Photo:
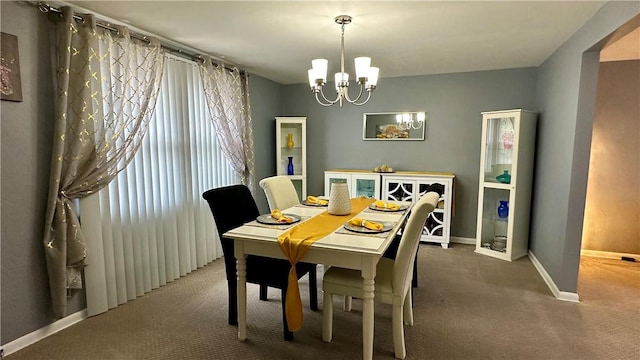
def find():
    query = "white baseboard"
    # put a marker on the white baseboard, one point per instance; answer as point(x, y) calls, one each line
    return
point(608, 254)
point(462, 240)
point(560, 295)
point(43, 332)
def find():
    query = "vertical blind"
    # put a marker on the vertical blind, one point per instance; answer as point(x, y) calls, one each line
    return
point(150, 225)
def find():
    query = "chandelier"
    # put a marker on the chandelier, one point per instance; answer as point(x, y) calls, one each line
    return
point(366, 75)
point(407, 121)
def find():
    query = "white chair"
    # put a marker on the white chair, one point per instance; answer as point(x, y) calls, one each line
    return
point(280, 192)
point(392, 282)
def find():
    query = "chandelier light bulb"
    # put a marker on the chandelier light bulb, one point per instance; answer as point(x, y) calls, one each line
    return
point(342, 80)
point(372, 81)
point(362, 67)
point(320, 67)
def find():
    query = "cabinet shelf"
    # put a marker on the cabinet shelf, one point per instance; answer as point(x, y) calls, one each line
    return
point(497, 185)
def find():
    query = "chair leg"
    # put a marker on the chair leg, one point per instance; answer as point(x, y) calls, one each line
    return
point(232, 286)
point(408, 308)
point(347, 303)
point(327, 317)
point(288, 335)
point(414, 279)
point(263, 292)
point(398, 332)
point(313, 289)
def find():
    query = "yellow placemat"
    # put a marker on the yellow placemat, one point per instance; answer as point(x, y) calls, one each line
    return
point(295, 242)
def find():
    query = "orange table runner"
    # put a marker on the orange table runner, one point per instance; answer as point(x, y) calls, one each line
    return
point(295, 242)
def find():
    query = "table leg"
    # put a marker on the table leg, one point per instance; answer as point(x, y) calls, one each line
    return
point(368, 286)
point(242, 291)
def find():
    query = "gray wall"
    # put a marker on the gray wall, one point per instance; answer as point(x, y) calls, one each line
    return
point(567, 83)
point(265, 97)
point(452, 137)
point(26, 140)
point(612, 211)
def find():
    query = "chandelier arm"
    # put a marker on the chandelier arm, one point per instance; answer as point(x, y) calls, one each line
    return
point(346, 95)
point(328, 102)
point(363, 102)
point(402, 126)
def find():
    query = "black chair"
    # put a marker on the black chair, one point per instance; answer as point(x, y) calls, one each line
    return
point(392, 250)
point(233, 206)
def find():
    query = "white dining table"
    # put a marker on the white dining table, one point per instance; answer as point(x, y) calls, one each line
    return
point(339, 248)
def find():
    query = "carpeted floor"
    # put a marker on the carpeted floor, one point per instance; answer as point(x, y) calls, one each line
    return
point(467, 306)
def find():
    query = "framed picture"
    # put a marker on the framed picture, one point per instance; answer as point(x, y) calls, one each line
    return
point(10, 85)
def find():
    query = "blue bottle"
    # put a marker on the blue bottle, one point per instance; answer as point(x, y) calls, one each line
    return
point(290, 166)
point(503, 209)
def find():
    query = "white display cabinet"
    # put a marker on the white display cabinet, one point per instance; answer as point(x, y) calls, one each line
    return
point(402, 186)
point(291, 145)
point(506, 175)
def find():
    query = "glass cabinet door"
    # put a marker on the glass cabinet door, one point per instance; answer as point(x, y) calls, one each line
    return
point(400, 190)
point(493, 233)
point(291, 147)
point(499, 145)
point(364, 187)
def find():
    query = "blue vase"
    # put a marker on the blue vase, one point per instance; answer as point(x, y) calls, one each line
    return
point(290, 166)
point(505, 178)
point(503, 209)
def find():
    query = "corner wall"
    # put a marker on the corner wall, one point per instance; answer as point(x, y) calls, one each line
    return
point(565, 96)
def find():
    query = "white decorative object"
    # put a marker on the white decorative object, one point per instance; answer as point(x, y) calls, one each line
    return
point(339, 201)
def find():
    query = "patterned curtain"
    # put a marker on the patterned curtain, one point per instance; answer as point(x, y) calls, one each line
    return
point(227, 94)
point(107, 88)
point(150, 226)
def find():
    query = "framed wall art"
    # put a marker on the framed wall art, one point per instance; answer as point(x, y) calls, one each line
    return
point(10, 84)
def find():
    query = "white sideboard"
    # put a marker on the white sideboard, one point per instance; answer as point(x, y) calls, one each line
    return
point(404, 186)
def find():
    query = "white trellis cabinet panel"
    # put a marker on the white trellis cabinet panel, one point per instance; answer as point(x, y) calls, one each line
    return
point(411, 186)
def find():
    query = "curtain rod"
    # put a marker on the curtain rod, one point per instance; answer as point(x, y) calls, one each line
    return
point(191, 55)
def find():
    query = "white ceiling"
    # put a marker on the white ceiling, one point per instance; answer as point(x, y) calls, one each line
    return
point(278, 39)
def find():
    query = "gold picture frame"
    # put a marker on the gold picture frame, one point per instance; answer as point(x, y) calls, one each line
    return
point(10, 83)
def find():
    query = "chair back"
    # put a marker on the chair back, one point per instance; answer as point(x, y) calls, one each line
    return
point(231, 206)
point(409, 242)
point(280, 192)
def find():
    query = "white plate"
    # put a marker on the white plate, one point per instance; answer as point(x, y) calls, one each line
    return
point(374, 207)
point(268, 219)
point(364, 230)
point(305, 202)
